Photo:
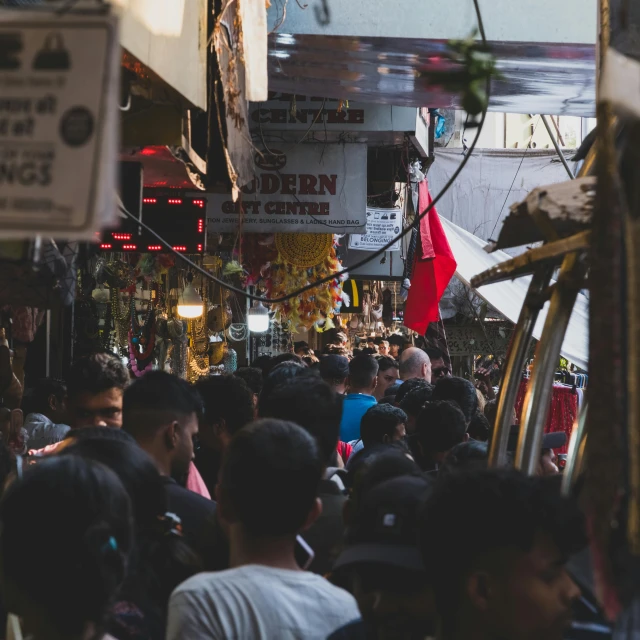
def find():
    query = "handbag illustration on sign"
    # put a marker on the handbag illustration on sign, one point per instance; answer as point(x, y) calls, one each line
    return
point(53, 56)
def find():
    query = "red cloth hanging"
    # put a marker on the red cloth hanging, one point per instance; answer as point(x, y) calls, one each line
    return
point(433, 269)
point(562, 412)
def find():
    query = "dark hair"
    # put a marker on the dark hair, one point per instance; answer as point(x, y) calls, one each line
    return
point(154, 400)
point(395, 454)
point(434, 353)
point(311, 403)
point(43, 390)
point(440, 426)
point(252, 377)
point(68, 521)
point(96, 373)
point(503, 510)
point(409, 385)
point(379, 421)
point(226, 398)
point(99, 433)
point(310, 361)
point(362, 371)
point(270, 477)
point(279, 375)
point(466, 456)
point(460, 391)
point(413, 402)
point(479, 428)
point(263, 363)
point(335, 350)
point(283, 357)
point(161, 560)
point(368, 351)
point(387, 362)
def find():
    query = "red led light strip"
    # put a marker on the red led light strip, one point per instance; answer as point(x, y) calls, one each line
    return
point(121, 236)
point(149, 200)
point(154, 247)
point(129, 247)
point(201, 226)
point(199, 247)
point(180, 248)
point(106, 246)
point(174, 201)
point(198, 203)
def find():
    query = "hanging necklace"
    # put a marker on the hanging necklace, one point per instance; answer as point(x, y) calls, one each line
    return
point(141, 340)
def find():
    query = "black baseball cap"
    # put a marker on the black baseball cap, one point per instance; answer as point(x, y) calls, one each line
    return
point(554, 440)
point(386, 525)
point(334, 367)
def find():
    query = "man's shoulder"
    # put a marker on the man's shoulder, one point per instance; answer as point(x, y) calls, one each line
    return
point(188, 498)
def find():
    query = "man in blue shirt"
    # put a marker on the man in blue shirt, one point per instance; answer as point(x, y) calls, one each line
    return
point(363, 372)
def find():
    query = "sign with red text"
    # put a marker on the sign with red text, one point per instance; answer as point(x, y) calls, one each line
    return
point(304, 188)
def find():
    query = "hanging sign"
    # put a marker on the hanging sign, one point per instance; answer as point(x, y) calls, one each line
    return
point(383, 225)
point(59, 87)
point(305, 188)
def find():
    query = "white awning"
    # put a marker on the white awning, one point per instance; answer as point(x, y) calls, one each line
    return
point(508, 297)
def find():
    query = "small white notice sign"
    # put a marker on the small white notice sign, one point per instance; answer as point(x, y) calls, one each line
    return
point(383, 225)
point(58, 140)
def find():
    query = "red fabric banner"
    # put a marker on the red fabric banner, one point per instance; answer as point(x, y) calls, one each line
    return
point(433, 268)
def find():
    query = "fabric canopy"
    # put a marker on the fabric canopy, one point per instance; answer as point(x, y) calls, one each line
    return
point(508, 297)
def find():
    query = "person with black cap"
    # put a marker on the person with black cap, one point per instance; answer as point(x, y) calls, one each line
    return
point(382, 566)
point(334, 370)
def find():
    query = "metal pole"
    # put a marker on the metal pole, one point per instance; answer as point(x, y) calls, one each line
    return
point(575, 455)
point(513, 366)
point(557, 147)
point(536, 402)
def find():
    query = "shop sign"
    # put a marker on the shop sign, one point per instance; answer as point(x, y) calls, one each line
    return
point(304, 188)
point(284, 111)
point(383, 225)
point(58, 137)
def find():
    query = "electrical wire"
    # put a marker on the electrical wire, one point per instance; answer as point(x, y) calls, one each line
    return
point(515, 177)
point(357, 265)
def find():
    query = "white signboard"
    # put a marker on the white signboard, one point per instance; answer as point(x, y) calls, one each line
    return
point(383, 225)
point(304, 188)
point(58, 139)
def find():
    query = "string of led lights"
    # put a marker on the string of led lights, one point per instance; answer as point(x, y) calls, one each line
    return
point(197, 268)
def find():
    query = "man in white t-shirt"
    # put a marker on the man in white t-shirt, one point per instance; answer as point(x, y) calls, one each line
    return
point(267, 495)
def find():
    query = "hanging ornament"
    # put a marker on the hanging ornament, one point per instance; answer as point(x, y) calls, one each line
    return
point(230, 360)
point(237, 332)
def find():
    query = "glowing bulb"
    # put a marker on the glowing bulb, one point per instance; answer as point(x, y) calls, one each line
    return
point(190, 302)
point(258, 318)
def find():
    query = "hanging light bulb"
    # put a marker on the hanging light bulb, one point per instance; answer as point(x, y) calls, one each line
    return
point(189, 301)
point(258, 318)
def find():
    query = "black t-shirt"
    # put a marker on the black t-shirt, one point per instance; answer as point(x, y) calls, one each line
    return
point(196, 513)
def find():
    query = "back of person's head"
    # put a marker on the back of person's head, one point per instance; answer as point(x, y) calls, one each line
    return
point(252, 377)
point(504, 511)
point(434, 353)
point(162, 559)
point(479, 428)
point(387, 362)
point(460, 391)
point(359, 461)
point(410, 385)
point(155, 400)
point(413, 362)
point(281, 374)
point(96, 373)
point(382, 424)
point(67, 531)
point(284, 357)
point(336, 350)
point(413, 401)
point(362, 372)
point(310, 403)
point(226, 399)
point(270, 478)
point(98, 433)
point(385, 463)
point(440, 426)
point(263, 363)
point(44, 390)
point(466, 456)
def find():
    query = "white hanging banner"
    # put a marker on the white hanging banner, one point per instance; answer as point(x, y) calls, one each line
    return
point(59, 92)
point(383, 225)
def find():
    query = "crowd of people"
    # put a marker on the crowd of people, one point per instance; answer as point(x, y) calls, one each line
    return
point(334, 497)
